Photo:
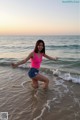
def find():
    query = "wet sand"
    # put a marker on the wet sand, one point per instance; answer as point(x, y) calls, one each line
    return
point(17, 97)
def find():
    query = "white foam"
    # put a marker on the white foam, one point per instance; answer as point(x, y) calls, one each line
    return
point(56, 72)
point(46, 106)
point(60, 83)
point(66, 76)
point(22, 84)
point(76, 80)
point(77, 101)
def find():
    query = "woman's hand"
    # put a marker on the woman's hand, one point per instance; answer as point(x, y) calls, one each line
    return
point(14, 65)
point(56, 58)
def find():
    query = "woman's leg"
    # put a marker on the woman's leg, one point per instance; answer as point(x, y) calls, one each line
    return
point(43, 79)
point(35, 83)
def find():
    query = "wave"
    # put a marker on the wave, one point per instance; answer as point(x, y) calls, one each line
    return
point(65, 68)
point(62, 62)
point(62, 74)
point(75, 46)
point(16, 47)
point(67, 76)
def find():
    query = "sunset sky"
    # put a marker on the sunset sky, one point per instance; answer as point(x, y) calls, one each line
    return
point(39, 17)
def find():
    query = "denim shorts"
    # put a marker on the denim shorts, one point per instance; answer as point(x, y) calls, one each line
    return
point(33, 72)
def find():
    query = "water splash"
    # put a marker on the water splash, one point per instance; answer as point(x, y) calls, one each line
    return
point(66, 76)
point(56, 72)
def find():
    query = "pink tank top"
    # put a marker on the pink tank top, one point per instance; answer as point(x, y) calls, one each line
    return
point(36, 60)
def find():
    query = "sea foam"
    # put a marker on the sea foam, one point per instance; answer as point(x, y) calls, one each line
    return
point(66, 76)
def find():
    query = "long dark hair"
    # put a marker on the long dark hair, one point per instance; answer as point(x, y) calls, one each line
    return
point(36, 46)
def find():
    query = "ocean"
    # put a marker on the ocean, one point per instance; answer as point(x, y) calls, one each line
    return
point(61, 101)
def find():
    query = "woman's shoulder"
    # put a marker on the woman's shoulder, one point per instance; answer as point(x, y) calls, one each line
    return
point(32, 54)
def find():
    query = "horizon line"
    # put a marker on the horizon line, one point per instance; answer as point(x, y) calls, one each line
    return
point(39, 34)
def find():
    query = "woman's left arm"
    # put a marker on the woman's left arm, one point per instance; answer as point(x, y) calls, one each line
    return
point(49, 57)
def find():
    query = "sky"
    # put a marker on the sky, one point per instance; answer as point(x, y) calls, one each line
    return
point(39, 17)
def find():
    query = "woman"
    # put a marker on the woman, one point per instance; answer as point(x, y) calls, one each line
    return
point(36, 58)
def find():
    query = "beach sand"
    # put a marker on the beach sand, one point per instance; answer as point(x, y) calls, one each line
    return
point(61, 101)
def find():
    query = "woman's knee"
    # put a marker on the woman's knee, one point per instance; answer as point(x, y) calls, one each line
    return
point(42, 78)
point(35, 83)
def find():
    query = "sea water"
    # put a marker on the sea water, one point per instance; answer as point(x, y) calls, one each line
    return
point(16, 95)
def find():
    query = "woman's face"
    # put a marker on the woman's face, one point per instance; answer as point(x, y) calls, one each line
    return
point(40, 46)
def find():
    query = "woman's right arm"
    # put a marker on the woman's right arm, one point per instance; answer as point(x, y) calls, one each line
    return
point(14, 65)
